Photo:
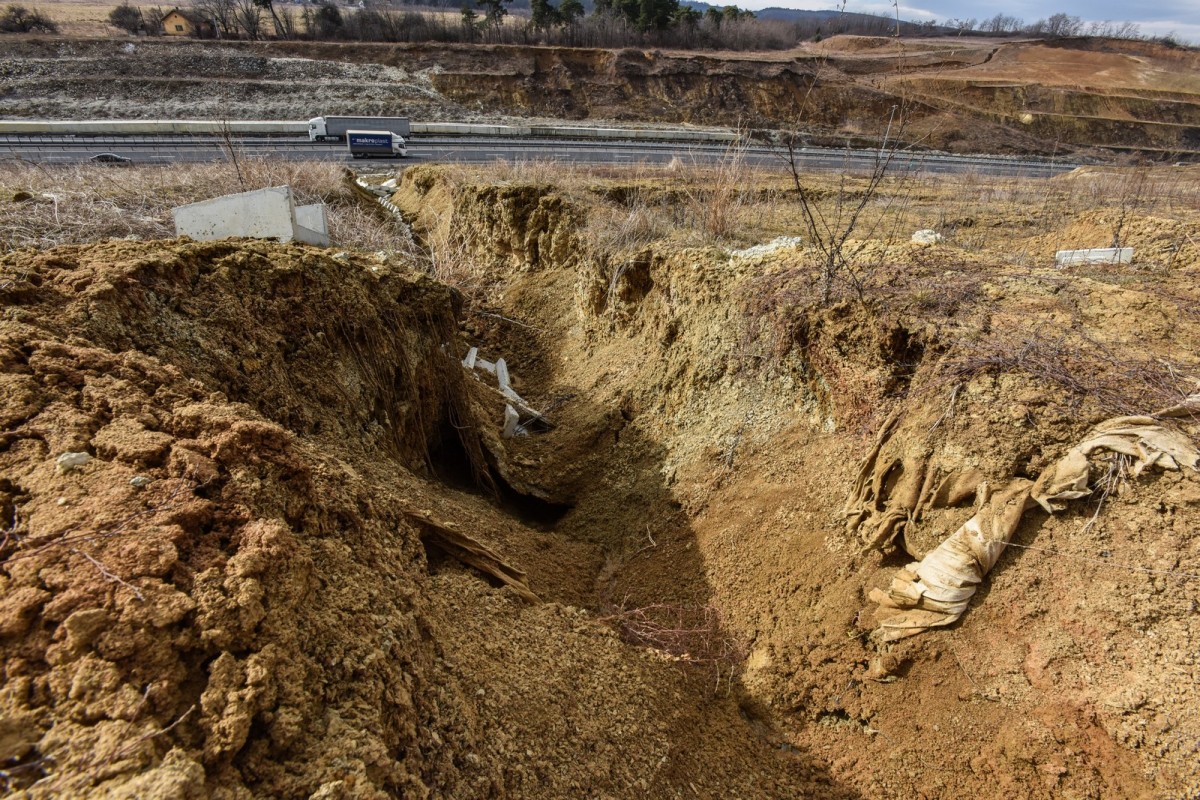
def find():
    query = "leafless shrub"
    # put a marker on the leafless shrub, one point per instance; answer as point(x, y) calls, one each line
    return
point(694, 635)
point(1087, 370)
point(840, 230)
point(19, 19)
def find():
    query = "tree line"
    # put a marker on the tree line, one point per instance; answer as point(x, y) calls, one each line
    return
point(1055, 25)
point(19, 19)
point(611, 23)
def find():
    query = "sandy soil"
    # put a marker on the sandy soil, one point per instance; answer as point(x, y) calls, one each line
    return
point(333, 578)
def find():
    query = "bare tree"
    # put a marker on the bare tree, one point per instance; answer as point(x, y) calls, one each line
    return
point(289, 22)
point(1002, 23)
point(830, 231)
point(269, 6)
point(962, 25)
point(222, 13)
point(1128, 30)
point(19, 19)
point(1063, 25)
point(249, 18)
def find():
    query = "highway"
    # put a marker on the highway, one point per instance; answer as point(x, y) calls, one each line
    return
point(165, 149)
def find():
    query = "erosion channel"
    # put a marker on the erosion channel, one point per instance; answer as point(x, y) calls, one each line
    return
point(300, 559)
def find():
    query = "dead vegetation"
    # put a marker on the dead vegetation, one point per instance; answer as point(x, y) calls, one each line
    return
point(1111, 380)
point(47, 206)
point(694, 635)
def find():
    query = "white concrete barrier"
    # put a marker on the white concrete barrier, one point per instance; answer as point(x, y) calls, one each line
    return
point(120, 127)
point(1096, 255)
point(262, 214)
point(314, 217)
point(157, 127)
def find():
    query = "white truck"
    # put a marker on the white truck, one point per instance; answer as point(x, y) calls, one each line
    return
point(364, 144)
point(322, 128)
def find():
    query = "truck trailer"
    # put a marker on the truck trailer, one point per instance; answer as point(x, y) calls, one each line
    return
point(322, 128)
point(363, 144)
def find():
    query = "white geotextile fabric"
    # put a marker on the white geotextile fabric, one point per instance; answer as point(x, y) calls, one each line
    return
point(936, 590)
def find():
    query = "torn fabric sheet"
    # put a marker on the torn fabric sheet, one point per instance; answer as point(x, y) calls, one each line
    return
point(935, 591)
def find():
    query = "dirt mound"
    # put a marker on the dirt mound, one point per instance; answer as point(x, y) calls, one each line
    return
point(247, 589)
point(295, 557)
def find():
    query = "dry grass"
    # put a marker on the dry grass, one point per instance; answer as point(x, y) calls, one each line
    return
point(86, 203)
point(688, 202)
point(87, 19)
point(685, 204)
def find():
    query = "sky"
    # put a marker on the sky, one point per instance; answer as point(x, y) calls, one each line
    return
point(1178, 17)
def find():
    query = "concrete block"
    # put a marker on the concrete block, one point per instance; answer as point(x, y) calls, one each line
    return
point(261, 214)
point(926, 237)
point(303, 234)
point(1096, 255)
point(511, 420)
point(502, 374)
point(314, 217)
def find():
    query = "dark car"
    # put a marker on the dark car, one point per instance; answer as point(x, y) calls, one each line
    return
point(110, 158)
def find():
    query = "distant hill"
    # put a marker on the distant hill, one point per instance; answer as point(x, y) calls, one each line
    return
point(797, 15)
point(832, 21)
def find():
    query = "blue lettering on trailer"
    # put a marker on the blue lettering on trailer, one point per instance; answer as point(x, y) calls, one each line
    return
point(377, 141)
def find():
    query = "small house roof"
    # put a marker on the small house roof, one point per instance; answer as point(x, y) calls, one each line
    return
point(189, 15)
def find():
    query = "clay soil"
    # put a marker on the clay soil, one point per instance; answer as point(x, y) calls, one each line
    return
point(301, 561)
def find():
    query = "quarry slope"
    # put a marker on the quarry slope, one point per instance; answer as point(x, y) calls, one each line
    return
point(966, 95)
point(332, 577)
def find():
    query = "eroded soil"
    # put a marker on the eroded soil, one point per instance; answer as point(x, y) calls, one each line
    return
point(277, 610)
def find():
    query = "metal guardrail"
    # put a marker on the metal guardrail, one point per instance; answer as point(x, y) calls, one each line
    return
point(291, 127)
point(447, 140)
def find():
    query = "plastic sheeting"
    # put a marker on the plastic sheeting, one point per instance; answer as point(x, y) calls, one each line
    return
point(935, 591)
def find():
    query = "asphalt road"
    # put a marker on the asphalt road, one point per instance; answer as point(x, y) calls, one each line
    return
point(173, 149)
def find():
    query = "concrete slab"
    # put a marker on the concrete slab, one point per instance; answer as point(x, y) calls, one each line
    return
point(315, 217)
point(303, 234)
point(261, 214)
point(1096, 255)
point(511, 420)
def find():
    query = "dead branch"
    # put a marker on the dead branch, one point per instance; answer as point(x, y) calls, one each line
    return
point(110, 576)
point(473, 553)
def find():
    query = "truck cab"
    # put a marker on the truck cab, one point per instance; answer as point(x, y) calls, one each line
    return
point(364, 144)
point(316, 129)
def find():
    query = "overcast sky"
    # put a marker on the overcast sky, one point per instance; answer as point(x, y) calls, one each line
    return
point(1181, 17)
